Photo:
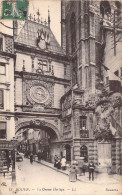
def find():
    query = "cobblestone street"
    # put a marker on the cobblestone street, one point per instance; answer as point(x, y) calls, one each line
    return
point(36, 178)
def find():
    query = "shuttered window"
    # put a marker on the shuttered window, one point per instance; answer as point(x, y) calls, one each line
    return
point(2, 130)
point(1, 99)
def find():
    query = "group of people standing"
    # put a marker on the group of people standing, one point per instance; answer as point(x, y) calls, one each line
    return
point(74, 170)
point(60, 163)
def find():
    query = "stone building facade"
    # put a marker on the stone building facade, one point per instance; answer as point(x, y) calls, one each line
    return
point(42, 76)
point(66, 100)
point(7, 57)
point(91, 109)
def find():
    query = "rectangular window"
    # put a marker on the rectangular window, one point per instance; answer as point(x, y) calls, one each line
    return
point(2, 69)
point(107, 80)
point(65, 70)
point(1, 44)
point(2, 130)
point(1, 98)
point(81, 76)
point(42, 64)
point(82, 123)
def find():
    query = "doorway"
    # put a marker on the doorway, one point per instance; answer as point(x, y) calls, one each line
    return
point(104, 154)
point(68, 152)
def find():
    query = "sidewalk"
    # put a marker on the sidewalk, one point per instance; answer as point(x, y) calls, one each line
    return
point(99, 178)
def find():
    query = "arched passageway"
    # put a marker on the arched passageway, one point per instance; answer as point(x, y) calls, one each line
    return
point(37, 137)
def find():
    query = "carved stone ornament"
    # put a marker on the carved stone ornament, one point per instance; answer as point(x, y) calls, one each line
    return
point(42, 44)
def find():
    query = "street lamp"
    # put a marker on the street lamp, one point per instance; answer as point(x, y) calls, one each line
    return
point(14, 144)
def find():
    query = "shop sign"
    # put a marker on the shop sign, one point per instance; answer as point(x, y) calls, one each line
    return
point(7, 144)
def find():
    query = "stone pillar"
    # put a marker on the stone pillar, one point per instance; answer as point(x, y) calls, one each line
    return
point(8, 99)
point(72, 153)
point(118, 157)
point(63, 26)
point(76, 124)
point(91, 152)
point(113, 153)
point(76, 149)
point(95, 153)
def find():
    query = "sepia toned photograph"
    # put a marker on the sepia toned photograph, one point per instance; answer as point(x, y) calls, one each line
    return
point(60, 97)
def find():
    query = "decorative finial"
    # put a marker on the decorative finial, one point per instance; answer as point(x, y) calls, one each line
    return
point(34, 18)
point(48, 17)
point(30, 17)
point(23, 68)
point(38, 14)
point(52, 70)
point(41, 21)
point(45, 22)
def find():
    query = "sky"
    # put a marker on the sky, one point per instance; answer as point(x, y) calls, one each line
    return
point(55, 13)
point(43, 5)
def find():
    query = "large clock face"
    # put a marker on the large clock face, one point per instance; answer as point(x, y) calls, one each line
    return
point(39, 94)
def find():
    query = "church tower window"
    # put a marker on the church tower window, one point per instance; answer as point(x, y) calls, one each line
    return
point(105, 8)
point(73, 32)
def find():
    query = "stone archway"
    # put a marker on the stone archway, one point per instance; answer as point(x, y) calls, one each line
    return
point(37, 123)
point(44, 143)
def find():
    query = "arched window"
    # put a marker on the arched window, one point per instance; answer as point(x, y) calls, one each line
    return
point(105, 8)
point(85, 6)
point(118, 19)
point(118, 5)
point(84, 153)
point(73, 32)
point(74, 71)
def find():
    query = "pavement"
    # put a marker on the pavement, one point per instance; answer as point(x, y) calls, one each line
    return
point(99, 178)
point(42, 177)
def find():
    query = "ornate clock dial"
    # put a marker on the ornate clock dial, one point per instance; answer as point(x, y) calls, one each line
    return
point(39, 94)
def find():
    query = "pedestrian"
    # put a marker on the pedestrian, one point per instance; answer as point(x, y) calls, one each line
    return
point(31, 158)
point(91, 170)
point(58, 163)
point(72, 174)
point(55, 160)
point(8, 162)
point(39, 156)
point(63, 163)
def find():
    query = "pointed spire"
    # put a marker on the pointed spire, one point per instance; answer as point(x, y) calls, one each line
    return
point(48, 17)
point(41, 20)
point(38, 14)
point(34, 18)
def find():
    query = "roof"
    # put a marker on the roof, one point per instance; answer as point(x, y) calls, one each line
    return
point(28, 36)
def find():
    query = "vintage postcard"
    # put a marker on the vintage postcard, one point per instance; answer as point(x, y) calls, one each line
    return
point(60, 97)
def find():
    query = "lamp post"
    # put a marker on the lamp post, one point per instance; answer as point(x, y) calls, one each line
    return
point(14, 144)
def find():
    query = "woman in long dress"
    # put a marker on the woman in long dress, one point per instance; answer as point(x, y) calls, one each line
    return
point(72, 174)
